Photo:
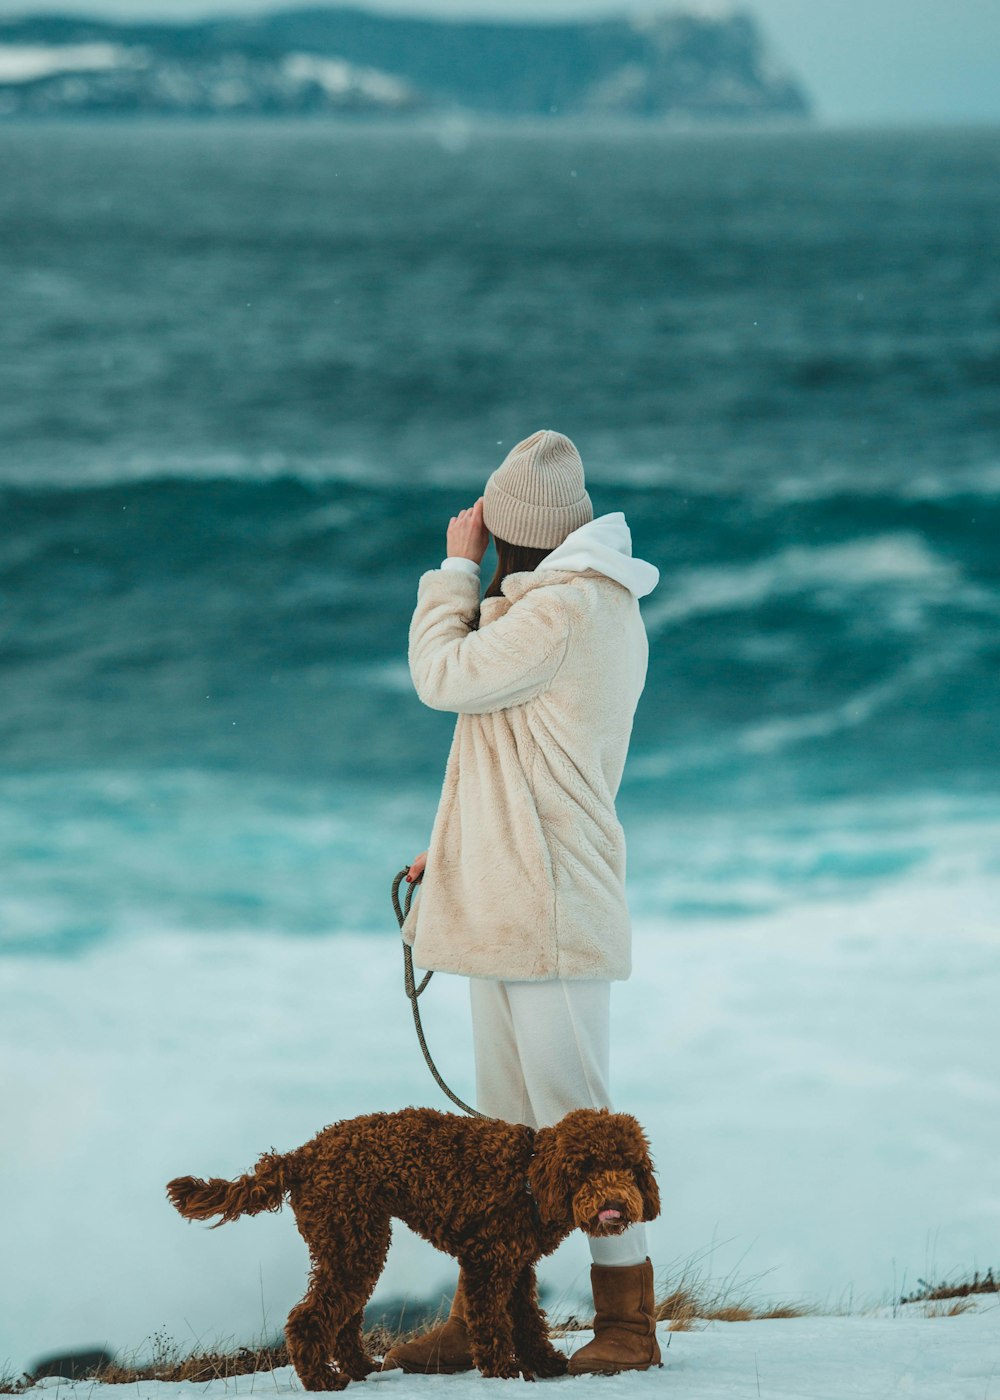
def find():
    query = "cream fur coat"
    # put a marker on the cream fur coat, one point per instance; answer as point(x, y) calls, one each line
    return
point(525, 874)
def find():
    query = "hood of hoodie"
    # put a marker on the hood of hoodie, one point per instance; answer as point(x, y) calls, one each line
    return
point(604, 544)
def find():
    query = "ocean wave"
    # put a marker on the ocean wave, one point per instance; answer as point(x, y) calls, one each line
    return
point(84, 472)
point(777, 734)
point(263, 624)
point(939, 483)
point(833, 572)
point(91, 857)
point(612, 467)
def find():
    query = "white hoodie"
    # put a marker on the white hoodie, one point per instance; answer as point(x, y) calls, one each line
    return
point(525, 874)
point(604, 543)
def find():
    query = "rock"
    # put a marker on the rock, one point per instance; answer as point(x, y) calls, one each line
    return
point(71, 1364)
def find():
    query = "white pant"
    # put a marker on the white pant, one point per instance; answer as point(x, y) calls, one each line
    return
point(542, 1049)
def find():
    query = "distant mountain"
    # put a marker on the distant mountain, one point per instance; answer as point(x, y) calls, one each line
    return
point(349, 60)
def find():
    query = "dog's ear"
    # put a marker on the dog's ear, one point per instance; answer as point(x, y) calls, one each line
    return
point(648, 1189)
point(638, 1146)
point(550, 1178)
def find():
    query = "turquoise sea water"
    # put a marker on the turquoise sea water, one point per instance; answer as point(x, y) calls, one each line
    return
point(250, 372)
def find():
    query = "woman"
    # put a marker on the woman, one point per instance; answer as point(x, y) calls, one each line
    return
point(523, 887)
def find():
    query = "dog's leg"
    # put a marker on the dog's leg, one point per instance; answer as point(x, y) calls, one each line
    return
point(324, 1330)
point(311, 1332)
point(349, 1349)
point(537, 1355)
point(357, 1268)
point(488, 1294)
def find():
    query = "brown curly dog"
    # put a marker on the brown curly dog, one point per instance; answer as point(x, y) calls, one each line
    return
point(497, 1196)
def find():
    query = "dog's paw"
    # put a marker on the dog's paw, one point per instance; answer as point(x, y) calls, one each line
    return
point(546, 1367)
point(325, 1379)
point(505, 1371)
point(363, 1369)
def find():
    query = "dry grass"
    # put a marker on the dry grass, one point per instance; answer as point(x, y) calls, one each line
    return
point(685, 1306)
point(169, 1362)
point(940, 1292)
point(945, 1309)
point(685, 1298)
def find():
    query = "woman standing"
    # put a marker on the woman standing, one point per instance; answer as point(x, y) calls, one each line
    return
point(524, 887)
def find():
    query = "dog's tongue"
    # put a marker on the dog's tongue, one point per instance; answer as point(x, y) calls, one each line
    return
point(609, 1214)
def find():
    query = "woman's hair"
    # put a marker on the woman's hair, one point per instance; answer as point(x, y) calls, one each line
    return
point(513, 559)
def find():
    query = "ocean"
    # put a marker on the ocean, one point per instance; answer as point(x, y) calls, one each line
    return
point(249, 372)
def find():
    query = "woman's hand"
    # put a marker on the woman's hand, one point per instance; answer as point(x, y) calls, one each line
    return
point(417, 868)
point(467, 535)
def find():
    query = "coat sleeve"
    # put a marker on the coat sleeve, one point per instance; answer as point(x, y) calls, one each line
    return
point(457, 667)
point(459, 561)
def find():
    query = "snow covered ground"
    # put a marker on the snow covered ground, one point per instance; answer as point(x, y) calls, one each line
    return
point(820, 1089)
point(809, 1358)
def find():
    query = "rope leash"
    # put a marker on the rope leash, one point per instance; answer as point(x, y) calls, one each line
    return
point(413, 991)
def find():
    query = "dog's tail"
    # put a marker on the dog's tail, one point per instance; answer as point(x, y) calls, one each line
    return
point(264, 1188)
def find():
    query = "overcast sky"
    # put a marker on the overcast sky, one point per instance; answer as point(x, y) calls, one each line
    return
point(862, 60)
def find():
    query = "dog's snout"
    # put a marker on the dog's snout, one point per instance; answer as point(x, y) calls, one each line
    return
point(607, 1204)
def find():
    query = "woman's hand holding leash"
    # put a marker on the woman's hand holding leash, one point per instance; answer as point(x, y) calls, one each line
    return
point(467, 535)
point(417, 868)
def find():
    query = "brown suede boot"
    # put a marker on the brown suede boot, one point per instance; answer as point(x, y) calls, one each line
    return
point(441, 1351)
point(624, 1321)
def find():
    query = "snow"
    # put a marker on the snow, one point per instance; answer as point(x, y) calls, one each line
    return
point(338, 77)
point(809, 1358)
point(819, 1086)
point(25, 63)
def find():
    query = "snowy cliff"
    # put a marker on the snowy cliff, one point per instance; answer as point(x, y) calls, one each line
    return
point(693, 64)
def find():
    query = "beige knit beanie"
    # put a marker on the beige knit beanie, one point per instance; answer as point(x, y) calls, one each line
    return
point(537, 496)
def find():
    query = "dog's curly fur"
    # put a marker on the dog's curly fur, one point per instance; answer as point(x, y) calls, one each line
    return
point(497, 1196)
